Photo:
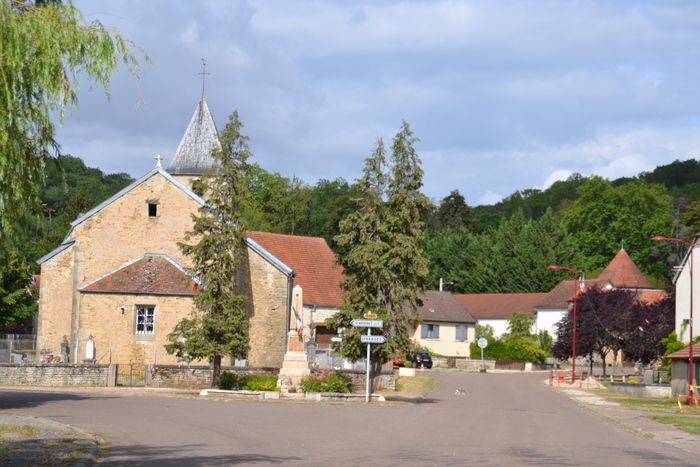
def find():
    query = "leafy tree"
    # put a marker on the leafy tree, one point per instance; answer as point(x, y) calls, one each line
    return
point(454, 212)
point(520, 324)
point(44, 49)
point(545, 340)
point(603, 216)
point(384, 266)
point(330, 202)
point(484, 330)
point(646, 328)
point(219, 326)
point(691, 218)
point(17, 301)
point(602, 323)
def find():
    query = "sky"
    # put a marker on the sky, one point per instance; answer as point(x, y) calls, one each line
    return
point(503, 95)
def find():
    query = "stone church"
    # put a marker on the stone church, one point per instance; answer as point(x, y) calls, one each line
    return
point(116, 286)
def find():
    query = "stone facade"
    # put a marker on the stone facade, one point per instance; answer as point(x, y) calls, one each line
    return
point(120, 231)
point(267, 290)
point(193, 377)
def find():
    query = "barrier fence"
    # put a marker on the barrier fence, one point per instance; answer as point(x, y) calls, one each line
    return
point(17, 348)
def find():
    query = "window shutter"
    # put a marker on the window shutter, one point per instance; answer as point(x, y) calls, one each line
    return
point(436, 331)
point(461, 333)
point(423, 331)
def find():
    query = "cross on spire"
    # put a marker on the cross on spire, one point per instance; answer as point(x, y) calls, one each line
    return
point(158, 162)
point(204, 74)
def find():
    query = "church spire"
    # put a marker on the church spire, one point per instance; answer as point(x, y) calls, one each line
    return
point(193, 155)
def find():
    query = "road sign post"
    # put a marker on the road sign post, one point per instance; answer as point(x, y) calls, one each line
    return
point(369, 339)
point(482, 343)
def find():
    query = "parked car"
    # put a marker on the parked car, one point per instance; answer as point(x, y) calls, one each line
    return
point(421, 360)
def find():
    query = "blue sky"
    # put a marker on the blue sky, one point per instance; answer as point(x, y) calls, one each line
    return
point(504, 95)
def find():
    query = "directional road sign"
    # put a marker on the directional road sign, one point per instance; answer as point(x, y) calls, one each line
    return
point(367, 323)
point(336, 339)
point(370, 316)
point(373, 339)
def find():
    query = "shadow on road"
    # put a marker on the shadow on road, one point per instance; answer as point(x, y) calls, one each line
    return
point(26, 400)
point(182, 455)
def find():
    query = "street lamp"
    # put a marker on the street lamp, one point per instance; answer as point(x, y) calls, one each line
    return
point(577, 275)
point(691, 364)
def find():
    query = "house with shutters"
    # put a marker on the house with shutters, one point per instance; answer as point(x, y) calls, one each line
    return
point(117, 285)
point(447, 327)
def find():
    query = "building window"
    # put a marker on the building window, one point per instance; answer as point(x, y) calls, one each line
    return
point(145, 319)
point(152, 209)
point(461, 332)
point(430, 331)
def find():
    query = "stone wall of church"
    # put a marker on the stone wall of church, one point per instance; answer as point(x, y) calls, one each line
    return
point(55, 302)
point(123, 230)
point(266, 288)
point(111, 321)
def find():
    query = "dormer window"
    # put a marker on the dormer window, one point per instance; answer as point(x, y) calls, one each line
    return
point(153, 209)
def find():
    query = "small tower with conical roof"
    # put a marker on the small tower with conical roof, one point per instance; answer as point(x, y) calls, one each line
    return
point(193, 155)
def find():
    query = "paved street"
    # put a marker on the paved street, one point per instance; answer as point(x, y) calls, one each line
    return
point(504, 419)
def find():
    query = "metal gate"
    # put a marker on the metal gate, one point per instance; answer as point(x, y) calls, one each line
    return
point(131, 375)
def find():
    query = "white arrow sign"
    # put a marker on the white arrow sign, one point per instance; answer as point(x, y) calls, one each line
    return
point(373, 339)
point(336, 339)
point(367, 323)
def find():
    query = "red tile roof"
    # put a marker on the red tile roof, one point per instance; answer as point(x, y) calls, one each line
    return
point(443, 306)
point(621, 272)
point(685, 353)
point(499, 305)
point(313, 263)
point(562, 293)
point(151, 274)
point(650, 296)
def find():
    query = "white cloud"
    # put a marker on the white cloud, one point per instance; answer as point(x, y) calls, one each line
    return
point(489, 198)
point(556, 176)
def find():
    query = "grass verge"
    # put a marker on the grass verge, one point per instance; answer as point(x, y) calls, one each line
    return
point(12, 429)
point(687, 423)
point(415, 385)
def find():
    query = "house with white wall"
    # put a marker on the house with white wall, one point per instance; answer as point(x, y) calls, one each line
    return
point(682, 280)
point(496, 309)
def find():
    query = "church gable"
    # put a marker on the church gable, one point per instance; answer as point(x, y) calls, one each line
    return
point(150, 274)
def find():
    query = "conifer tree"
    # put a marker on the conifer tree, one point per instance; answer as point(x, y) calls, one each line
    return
point(219, 325)
point(382, 256)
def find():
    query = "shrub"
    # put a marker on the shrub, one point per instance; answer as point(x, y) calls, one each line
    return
point(512, 348)
point(327, 382)
point(260, 382)
point(228, 381)
point(337, 382)
point(311, 384)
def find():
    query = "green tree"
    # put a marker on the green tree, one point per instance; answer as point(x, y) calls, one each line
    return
point(604, 216)
point(520, 324)
point(219, 326)
point(43, 50)
point(17, 302)
point(454, 212)
point(384, 266)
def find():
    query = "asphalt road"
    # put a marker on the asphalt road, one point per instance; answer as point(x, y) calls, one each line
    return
point(504, 419)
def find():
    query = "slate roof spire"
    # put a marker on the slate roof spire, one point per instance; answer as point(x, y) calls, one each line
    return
point(193, 155)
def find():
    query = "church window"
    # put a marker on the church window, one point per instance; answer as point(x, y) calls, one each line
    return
point(152, 209)
point(145, 319)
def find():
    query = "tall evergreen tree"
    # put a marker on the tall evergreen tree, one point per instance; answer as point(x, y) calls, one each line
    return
point(454, 212)
point(219, 326)
point(385, 269)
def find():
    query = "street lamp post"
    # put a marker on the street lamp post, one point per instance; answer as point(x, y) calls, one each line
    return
point(691, 363)
point(577, 275)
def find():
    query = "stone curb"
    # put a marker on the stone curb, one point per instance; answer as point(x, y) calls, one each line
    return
point(632, 420)
point(308, 396)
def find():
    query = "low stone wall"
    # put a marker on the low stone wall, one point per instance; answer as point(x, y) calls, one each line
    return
point(55, 375)
point(655, 391)
point(193, 377)
point(475, 365)
point(385, 380)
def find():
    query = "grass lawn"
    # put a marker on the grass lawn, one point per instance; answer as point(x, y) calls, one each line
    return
point(419, 385)
point(12, 430)
point(661, 410)
point(687, 423)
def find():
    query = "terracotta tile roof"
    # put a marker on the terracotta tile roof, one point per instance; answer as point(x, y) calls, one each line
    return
point(313, 263)
point(150, 274)
point(562, 293)
point(650, 296)
point(621, 272)
point(685, 353)
point(443, 306)
point(499, 305)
